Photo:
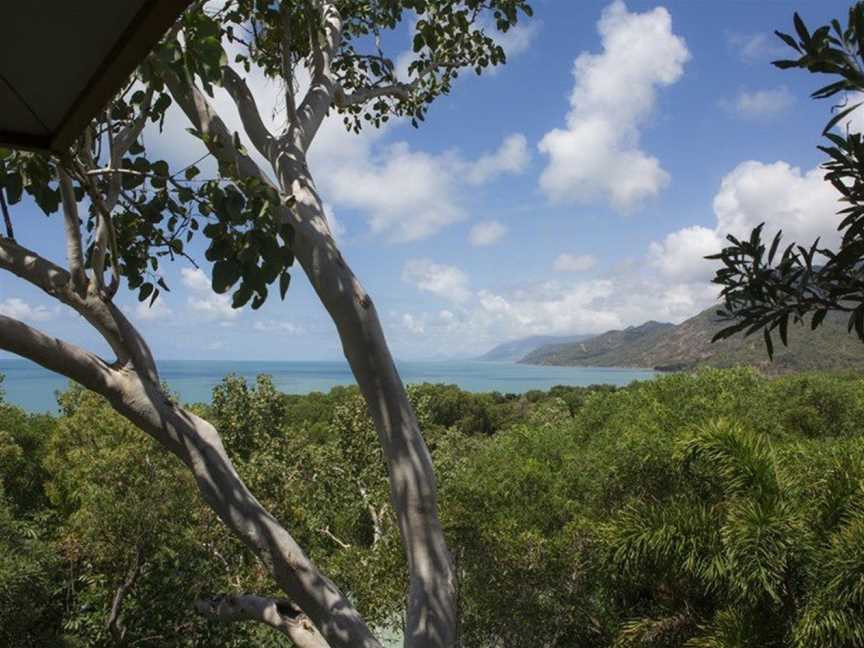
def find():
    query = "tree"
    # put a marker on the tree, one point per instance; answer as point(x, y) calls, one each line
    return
point(763, 291)
point(140, 212)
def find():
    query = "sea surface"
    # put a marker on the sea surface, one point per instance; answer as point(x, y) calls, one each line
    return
point(33, 388)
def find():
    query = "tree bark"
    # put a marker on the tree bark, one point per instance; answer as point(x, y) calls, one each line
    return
point(431, 611)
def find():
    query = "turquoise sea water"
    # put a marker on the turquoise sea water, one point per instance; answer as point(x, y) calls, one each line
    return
point(32, 387)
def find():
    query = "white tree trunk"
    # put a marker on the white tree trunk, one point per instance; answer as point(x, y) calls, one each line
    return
point(431, 614)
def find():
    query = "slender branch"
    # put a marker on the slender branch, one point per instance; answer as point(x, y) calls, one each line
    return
point(10, 233)
point(288, 63)
point(114, 623)
point(397, 90)
point(202, 115)
point(327, 532)
point(130, 134)
point(106, 237)
point(118, 332)
point(66, 359)
point(254, 126)
point(281, 615)
point(320, 95)
point(74, 254)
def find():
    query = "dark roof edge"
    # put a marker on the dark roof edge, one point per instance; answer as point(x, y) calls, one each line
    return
point(131, 47)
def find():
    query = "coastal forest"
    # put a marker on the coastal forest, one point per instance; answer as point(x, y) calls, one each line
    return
point(719, 508)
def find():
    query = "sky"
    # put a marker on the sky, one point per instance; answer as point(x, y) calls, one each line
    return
point(574, 190)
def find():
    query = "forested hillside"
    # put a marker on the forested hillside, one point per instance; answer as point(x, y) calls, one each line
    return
point(688, 345)
point(714, 509)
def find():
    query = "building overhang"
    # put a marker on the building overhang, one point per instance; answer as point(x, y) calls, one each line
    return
point(62, 61)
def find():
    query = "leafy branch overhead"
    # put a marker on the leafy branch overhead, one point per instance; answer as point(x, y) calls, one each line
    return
point(763, 287)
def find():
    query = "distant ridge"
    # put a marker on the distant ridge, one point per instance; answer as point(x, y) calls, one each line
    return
point(670, 347)
point(517, 349)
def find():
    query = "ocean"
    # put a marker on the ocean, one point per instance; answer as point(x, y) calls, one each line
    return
point(33, 388)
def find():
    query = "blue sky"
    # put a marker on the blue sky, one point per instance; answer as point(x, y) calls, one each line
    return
point(574, 190)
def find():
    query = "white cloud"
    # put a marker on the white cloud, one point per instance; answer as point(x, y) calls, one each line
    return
point(203, 301)
point(445, 281)
point(159, 310)
point(511, 157)
point(486, 233)
point(757, 48)
point(682, 253)
point(629, 298)
point(409, 195)
point(277, 326)
point(413, 324)
point(574, 263)
point(761, 103)
point(518, 39)
point(801, 204)
point(598, 154)
point(20, 310)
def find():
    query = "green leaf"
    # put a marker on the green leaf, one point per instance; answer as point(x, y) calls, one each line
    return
point(836, 118)
point(788, 40)
point(145, 291)
point(284, 282)
point(818, 316)
point(769, 345)
point(225, 274)
point(241, 296)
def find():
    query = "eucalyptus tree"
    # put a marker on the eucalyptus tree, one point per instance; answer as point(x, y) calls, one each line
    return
point(124, 214)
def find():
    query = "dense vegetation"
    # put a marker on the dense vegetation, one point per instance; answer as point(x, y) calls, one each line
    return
point(715, 509)
point(688, 345)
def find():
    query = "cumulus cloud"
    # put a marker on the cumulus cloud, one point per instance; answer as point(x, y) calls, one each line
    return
point(278, 326)
point(518, 39)
point(573, 263)
point(511, 157)
point(158, 311)
point(758, 104)
point(413, 324)
point(800, 203)
point(597, 154)
point(628, 298)
point(486, 233)
point(756, 48)
point(20, 310)
point(202, 300)
point(407, 194)
point(444, 281)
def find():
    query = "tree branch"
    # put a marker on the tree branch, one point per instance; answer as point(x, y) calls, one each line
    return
point(123, 338)
point(281, 615)
point(288, 64)
point(114, 624)
point(106, 237)
point(320, 95)
point(10, 233)
point(66, 359)
point(205, 119)
point(130, 134)
point(72, 224)
point(258, 133)
point(396, 90)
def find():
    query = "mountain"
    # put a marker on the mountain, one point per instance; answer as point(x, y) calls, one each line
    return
point(670, 347)
point(593, 351)
point(517, 349)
